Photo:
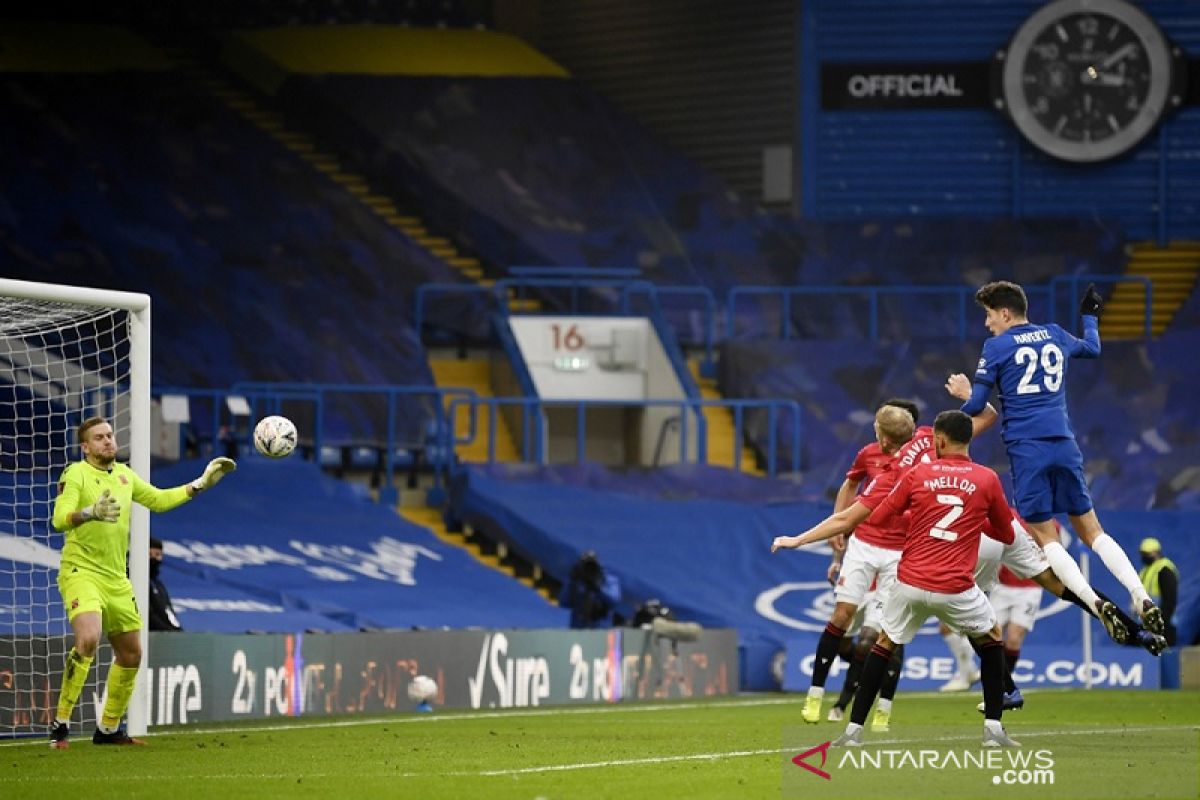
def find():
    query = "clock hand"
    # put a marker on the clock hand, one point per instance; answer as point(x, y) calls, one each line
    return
point(1116, 56)
point(1092, 76)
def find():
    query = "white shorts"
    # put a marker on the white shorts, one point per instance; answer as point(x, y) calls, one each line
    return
point(1016, 604)
point(869, 614)
point(1023, 557)
point(862, 564)
point(907, 607)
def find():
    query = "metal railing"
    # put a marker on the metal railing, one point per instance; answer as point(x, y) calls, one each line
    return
point(1045, 299)
point(1047, 294)
point(533, 436)
point(266, 398)
point(270, 398)
point(872, 294)
point(576, 281)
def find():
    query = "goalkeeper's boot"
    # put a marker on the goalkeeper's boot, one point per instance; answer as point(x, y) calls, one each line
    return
point(1152, 618)
point(836, 714)
point(59, 736)
point(1152, 642)
point(882, 721)
point(848, 739)
point(1112, 622)
point(811, 712)
point(1000, 738)
point(1012, 701)
point(119, 736)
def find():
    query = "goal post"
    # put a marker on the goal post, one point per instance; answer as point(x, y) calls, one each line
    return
point(66, 353)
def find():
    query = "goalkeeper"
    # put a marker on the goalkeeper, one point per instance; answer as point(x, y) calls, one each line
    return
point(92, 509)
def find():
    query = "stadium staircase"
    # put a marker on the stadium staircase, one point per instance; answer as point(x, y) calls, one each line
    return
point(474, 374)
point(302, 145)
point(721, 428)
point(408, 222)
point(1173, 270)
point(491, 554)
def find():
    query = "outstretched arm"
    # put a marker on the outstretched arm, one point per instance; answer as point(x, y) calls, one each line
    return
point(843, 521)
point(160, 500)
point(845, 497)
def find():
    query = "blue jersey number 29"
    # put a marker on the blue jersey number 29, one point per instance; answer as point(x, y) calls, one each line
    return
point(1051, 360)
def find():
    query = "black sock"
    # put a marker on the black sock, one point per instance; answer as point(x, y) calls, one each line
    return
point(1011, 657)
point(869, 683)
point(852, 677)
point(1010, 686)
point(827, 650)
point(1071, 597)
point(991, 658)
point(891, 677)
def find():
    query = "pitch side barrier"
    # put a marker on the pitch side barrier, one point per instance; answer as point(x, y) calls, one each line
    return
point(208, 677)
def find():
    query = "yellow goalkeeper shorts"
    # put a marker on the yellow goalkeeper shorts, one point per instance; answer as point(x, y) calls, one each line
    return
point(112, 597)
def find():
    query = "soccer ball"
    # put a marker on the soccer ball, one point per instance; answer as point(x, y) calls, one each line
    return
point(422, 689)
point(275, 437)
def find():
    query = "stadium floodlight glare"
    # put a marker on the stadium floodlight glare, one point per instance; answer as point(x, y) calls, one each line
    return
point(66, 353)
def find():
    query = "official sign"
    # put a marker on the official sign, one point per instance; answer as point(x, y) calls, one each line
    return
point(963, 84)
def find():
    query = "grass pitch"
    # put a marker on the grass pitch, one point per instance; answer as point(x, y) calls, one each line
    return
point(1098, 744)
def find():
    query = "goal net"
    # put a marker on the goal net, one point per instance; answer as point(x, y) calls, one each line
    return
point(66, 354)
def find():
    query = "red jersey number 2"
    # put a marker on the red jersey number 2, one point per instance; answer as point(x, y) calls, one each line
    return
point(941, 529)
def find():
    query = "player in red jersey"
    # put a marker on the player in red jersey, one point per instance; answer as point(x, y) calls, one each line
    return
point(872, 553)
point(949, 502)
point(868, 463)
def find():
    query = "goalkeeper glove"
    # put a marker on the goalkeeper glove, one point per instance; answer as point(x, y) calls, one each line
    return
point(105, 509)
point(1092, 303)
point(217, 468)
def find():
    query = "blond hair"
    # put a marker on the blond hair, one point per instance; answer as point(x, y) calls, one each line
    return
point(895, 425)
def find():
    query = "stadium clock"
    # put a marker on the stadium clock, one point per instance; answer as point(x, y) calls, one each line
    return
point(1086, 80)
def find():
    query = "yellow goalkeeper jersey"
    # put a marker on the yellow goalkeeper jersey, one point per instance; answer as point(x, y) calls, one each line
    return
point(97, 546)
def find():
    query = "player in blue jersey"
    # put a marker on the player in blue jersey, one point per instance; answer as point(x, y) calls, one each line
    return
point(1028, 364)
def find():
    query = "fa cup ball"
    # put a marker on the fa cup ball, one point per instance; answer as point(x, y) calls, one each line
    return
point(275, 437)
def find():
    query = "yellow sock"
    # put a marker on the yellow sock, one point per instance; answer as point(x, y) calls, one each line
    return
point(118, 691)
point(75, 673)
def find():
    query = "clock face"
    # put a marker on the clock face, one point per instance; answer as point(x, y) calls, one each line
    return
point(1085, 80)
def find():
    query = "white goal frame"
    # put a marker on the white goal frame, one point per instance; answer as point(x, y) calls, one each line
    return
point(138, 306)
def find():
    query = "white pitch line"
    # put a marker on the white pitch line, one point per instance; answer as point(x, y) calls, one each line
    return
point(555, 711)
point(626, 762)
point(319, 724)
point(376, 719)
